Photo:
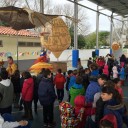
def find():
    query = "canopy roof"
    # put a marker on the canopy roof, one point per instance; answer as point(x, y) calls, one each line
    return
point(116, 6)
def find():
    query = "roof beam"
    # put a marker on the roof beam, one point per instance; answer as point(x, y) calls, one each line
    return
point(93, 10)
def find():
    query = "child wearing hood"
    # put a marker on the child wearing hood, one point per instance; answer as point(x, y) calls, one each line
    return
point(115, 72)
point(76, 89)
point(68, 118)
point(108, 121)
point(80, 102)
point(105, 70)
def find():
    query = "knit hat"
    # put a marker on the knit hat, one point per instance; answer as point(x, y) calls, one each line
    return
point(1, 121)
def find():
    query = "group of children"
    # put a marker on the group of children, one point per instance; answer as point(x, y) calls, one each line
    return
point(95, 97)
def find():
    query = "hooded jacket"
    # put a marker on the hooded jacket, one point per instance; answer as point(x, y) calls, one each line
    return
point(59, 81)
point(111, 107)
point(46, 92)
point(105, 70)
point(68, 118)
point(122, 74)
point(115, 72)
point(111, 118)
point(6, 90)
point(92, 89)
point(28, 89)
point(80, 103)
point(72, 81)
point(75, 92)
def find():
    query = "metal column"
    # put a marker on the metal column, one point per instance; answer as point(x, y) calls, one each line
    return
point(76, 25)
point(42, 6)
point(97, 32)
point(75, 52)
point(111, 33)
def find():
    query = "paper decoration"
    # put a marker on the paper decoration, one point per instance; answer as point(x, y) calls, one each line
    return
point(56, 37)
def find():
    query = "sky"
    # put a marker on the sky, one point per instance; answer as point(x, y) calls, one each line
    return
point(104, 22)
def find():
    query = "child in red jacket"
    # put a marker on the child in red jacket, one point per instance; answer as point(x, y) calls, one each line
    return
point(59, 82)
point(27, 95)
point(80, 102)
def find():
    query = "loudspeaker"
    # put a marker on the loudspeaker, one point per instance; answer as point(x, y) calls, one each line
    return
point(93, 54)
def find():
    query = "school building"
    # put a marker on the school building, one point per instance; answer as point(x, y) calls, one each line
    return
point(26, 42)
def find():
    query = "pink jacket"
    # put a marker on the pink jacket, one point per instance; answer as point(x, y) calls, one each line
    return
point(105, 70)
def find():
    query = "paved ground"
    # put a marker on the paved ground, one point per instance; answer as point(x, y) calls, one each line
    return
point(38, 119)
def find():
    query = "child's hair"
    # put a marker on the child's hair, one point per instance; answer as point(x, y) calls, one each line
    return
point(17, 73)
point(103, 77)
point(116, 80)
point(4, 75)
point(87, 69)
point(112, 90)
point(59, 70)
point(75, 72)
point(27, 75)
point(69, 72)
point(94, 66)
point(79, 80)
point(109, 83)
point(46, 73)
point(90, 58)
point(106, 124)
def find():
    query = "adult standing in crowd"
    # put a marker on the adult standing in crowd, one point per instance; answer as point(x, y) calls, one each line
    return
point(17, 88)
point(6, 93)
point(12, 67)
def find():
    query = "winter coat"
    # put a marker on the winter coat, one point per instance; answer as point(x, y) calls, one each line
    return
point(122, 59)
point(111, 118)
point(59, 81)
point(46, 92)
point(99, 110)
point(105, 70)
point(68, 118)
point(101, 63)
point(6, 91)
point(112, 107)
point(122, 74)
point(115, 72)
point(80, 103)
point(28, 89)
point(11, 69)
point(72, 81)
point(85, 80)
point(89, 63)
point(75, 92)
point(16, 84)
point(92, 89)
point(95, 73)
point(120, 90)
point(67, 82)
